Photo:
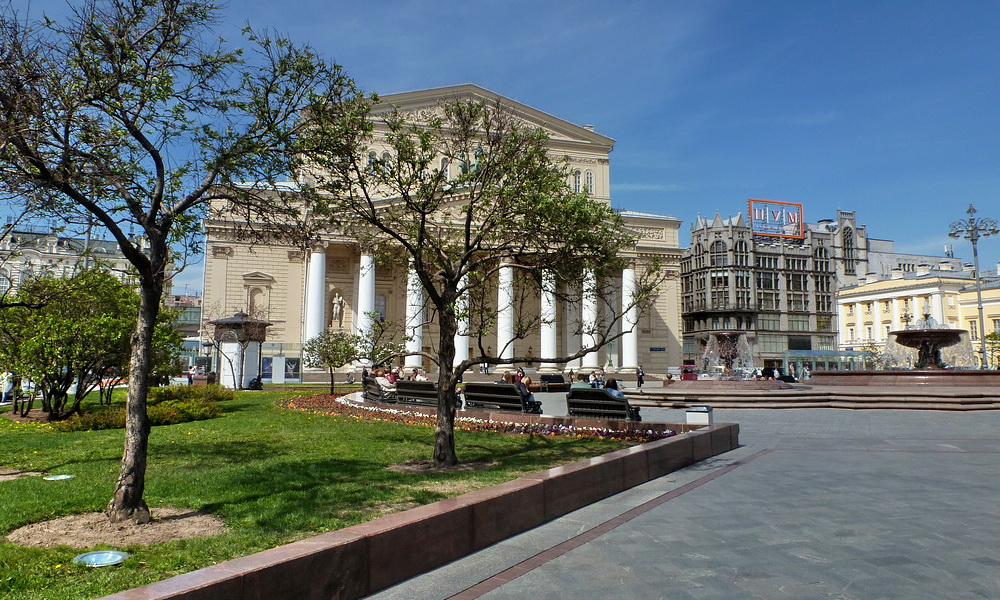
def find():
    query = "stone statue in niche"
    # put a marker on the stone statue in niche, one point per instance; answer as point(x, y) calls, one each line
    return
point(338, 310)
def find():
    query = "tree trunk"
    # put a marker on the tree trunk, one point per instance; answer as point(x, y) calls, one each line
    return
point(127, 504)
point(444, 432)
point(332, 381)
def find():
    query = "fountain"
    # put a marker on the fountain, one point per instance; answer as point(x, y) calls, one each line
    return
point(924, 353)
point(726, 363)
point(730, 350)
point(928, 338)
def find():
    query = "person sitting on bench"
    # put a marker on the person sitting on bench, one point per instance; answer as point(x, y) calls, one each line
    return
point(611, 385)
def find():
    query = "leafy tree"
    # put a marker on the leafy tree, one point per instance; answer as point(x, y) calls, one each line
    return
point(331, 349)
point(509, 206)
point(127, 114)
point(993, 348)
point(74, 331)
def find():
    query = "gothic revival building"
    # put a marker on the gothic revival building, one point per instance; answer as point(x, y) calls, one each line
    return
point(781, 291)
point(336, 283)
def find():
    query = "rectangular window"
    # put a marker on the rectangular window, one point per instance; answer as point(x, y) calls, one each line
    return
point(799, 342)
point(769, 322)
point(772, 343)
point(798, 323)
point(824, 323)
point(974, 330)
point(826, 342)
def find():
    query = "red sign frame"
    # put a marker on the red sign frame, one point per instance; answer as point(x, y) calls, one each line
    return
point(773, 218)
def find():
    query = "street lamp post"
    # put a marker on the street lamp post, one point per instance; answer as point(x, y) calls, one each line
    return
point(972, 229)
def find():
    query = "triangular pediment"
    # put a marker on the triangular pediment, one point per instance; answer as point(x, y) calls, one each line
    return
point(421, 106)
point(258, 277)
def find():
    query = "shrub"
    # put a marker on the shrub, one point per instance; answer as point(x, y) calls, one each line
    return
point(207, 393)
point(165, 406)
point(171, 412)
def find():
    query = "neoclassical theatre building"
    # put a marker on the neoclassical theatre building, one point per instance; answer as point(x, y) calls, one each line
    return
point(334, 285)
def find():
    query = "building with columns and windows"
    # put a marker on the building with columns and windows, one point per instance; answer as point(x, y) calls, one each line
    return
point(779, 286)
point(337, 285)
point(876, 306)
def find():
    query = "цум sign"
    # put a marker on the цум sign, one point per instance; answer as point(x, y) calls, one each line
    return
point(776, 219)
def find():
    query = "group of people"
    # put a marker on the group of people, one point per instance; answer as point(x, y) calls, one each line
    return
point(387, 378)
point(610, 385)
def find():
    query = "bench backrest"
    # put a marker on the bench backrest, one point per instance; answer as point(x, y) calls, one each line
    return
point(423, 392)
point(598, 403)
point(374, 393)
point(501, 395)
point(551, 378)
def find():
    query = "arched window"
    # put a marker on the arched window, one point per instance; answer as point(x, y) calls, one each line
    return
point(821, 259)
point(741, 253)
point(372, 159)
point(718, 251)
point(385, 157)
point(444, 169)
point(380, 307)
point(4, 281)
point(849, 256)
point(576, 181)
point(26, 275)
point(464, 165)
point(699, 256)
point(590, 182)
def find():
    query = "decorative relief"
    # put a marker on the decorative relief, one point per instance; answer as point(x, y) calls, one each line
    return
point(420, 115)
point(340, 265)
point(295, 256)
point(222, 251)
point(652, 233)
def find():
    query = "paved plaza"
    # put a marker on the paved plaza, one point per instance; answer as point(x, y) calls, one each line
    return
point(815, 504)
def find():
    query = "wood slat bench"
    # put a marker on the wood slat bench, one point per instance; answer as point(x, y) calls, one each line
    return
point(418, 392)
point(373, 393)
point(598, 403)
point(503, 396)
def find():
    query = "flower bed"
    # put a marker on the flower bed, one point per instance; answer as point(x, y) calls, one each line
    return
point(342, 406)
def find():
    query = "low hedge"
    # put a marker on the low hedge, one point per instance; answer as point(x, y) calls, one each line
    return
point(164, 406)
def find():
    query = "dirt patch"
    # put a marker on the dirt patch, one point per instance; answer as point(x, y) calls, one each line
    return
point(6, 474)
point(428, 467)
point(93, 529)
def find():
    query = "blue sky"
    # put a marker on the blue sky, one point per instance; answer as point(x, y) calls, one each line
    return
point(890, 108)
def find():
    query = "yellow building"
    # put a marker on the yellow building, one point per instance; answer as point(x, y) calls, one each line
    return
point(870, 310)
point(335, 284)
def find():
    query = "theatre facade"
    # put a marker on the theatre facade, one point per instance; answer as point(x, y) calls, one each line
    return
point(335, 285)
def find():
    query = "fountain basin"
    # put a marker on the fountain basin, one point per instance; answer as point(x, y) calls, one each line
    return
point(936, 377)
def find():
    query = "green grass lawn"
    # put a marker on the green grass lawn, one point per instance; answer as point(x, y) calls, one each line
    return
point(273, 475)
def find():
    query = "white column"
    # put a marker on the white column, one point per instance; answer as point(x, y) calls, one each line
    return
point(896, 321)
point(315, 294)
point(860, 332)
point(591, 360)
point(462, 337)
point(505, 311)
point(630, 321)
point(366, 295)
point(937, 308)
point(547, 328)
point(414, 319)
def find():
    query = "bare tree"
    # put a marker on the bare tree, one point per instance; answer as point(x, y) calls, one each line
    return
point(127, 113)
point(508, 207)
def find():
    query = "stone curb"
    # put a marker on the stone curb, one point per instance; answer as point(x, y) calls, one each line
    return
point(369, 557)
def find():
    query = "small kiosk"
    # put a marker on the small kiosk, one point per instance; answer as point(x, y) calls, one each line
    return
point(239, 339)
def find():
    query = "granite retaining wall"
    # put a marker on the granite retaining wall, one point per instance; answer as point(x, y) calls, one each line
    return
point(363, 559)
